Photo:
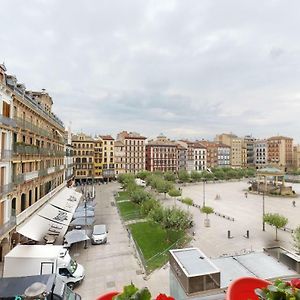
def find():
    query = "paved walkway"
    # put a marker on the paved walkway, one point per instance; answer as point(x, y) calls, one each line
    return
point(111, 266)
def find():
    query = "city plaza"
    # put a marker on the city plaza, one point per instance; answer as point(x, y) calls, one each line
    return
point(111, 266)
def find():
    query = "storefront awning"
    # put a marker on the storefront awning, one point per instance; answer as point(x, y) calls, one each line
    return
point(53, 218)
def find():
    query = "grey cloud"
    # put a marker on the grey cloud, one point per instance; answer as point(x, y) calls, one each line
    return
point(194, 68)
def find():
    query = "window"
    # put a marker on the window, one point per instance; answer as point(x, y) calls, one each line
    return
point(6, 110)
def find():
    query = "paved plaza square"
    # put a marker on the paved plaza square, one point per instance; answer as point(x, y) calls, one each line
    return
point(111, 266)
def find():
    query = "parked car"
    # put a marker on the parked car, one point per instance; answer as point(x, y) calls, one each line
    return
point(99, 234)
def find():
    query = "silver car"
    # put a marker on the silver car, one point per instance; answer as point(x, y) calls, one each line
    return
point(99, 235)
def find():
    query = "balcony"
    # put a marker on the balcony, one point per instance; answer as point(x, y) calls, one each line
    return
point(31, 175)
point(24, 177)
point(51, 170)
point(24, 149)
point(20, 148)
point(18, 179)
point(6, 188)
point(6, 227)
point(6, 155)
point(27, 125)
point(7, 121)
point(43, 172)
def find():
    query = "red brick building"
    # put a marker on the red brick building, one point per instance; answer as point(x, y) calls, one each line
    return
point(161, 155)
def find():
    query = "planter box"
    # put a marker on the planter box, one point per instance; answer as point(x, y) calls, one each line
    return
point(243, 288)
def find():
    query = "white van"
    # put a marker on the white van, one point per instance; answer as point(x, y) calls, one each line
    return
point(99, 235)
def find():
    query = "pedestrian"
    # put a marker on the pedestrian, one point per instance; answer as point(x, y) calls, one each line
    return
point(294, 203)
point(246, 195)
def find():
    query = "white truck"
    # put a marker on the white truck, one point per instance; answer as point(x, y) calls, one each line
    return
point(27, 260)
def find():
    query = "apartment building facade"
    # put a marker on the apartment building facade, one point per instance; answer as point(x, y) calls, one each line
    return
point(195, 154)
point(135, 151)
point(161, 155)
point(237, 157)
point(211, 153)
point(223, 155)
point(280, 152)
point(69, 158)
point(32, 154)
point(260, 153)
point(104, 157)
point(119, 154)
point(83, 146)
point(199, 157)
point(248, 144)
point(181, 157)
point(296, 157)
point(7, 128)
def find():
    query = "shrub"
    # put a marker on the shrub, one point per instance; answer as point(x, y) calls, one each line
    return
point(169, 176)
point(157, 214)
point(139, 195)
point(148, 206)
point(174, 192)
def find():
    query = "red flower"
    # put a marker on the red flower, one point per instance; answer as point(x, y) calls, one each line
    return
point(164, 297)
point(295, 283)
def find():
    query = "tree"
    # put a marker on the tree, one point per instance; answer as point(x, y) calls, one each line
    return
point(126, 179)
point(296, 238)
point(188, 201)
point(207, 210)
point(183, 176)
point(164, 186)
point(276, 220)
point(169, 176)
point(139, 195)
point(196, 176)
point(143, 174)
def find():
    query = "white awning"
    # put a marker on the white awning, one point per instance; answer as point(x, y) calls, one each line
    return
point(55, 214)
point(53, 218)
point(37, 227)
point(67, 199)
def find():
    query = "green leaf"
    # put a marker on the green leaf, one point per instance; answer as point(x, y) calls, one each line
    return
point(142, 294)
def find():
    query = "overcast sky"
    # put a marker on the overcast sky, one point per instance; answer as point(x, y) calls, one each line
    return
point(183, 68)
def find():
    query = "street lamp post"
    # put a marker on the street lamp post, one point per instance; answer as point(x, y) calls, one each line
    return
point(204, 181)
point(264, 228)
point(85, 221)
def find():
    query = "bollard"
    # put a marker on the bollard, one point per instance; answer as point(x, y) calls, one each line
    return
point(228, 234)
